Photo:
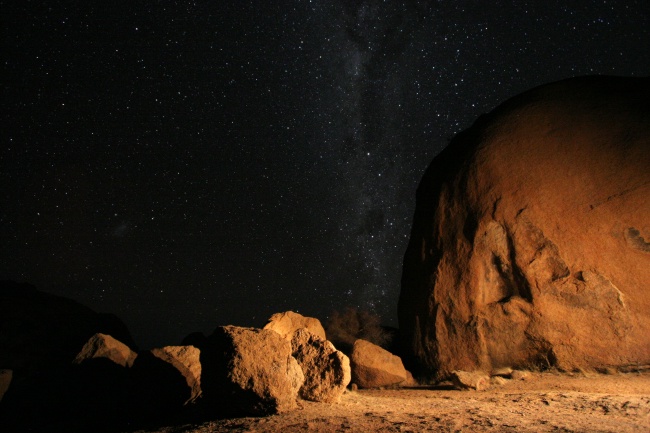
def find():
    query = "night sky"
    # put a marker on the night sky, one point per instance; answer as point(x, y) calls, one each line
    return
point(189, 164)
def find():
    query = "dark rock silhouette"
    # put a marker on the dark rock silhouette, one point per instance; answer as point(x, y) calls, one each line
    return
point(196, 339)
point(40, 336)
point(165, 379)
point(108, 388)
point(5, 381)
point(92, 396)
point(529, 241)
point(41, 331)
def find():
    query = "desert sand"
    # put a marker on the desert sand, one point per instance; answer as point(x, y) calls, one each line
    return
point(543, 402)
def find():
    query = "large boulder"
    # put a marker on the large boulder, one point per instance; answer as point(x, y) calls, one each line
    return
point(249, 370)
point(326, 370)
point(105, 346)
point(374, 367)
point(289, 322)
point(530, 244)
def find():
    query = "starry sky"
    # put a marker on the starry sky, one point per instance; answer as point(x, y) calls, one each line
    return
point(189, 164)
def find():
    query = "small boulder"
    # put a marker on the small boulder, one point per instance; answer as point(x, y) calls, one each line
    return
point(249, 370)
point(326, 370)
point(105, 346)
point(289, 322)
point(5, 381)
point(476, 380)
point(373, 366)
point(520, 375)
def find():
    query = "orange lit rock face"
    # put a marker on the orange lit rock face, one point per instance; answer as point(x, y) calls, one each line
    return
point(105, 346)
point(530, 243)
point(326, 370)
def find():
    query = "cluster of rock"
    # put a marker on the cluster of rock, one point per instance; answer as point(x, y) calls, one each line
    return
point(233, 371)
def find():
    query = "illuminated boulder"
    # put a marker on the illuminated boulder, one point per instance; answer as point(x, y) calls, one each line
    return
point(530, 244)
point(373, 367)
point(248, 371)
point(326, 370)
point(105, 346)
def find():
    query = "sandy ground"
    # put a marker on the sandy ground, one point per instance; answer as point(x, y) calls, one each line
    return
point(544, 402)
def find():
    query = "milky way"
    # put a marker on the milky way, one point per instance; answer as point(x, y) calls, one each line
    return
point(192, 164)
